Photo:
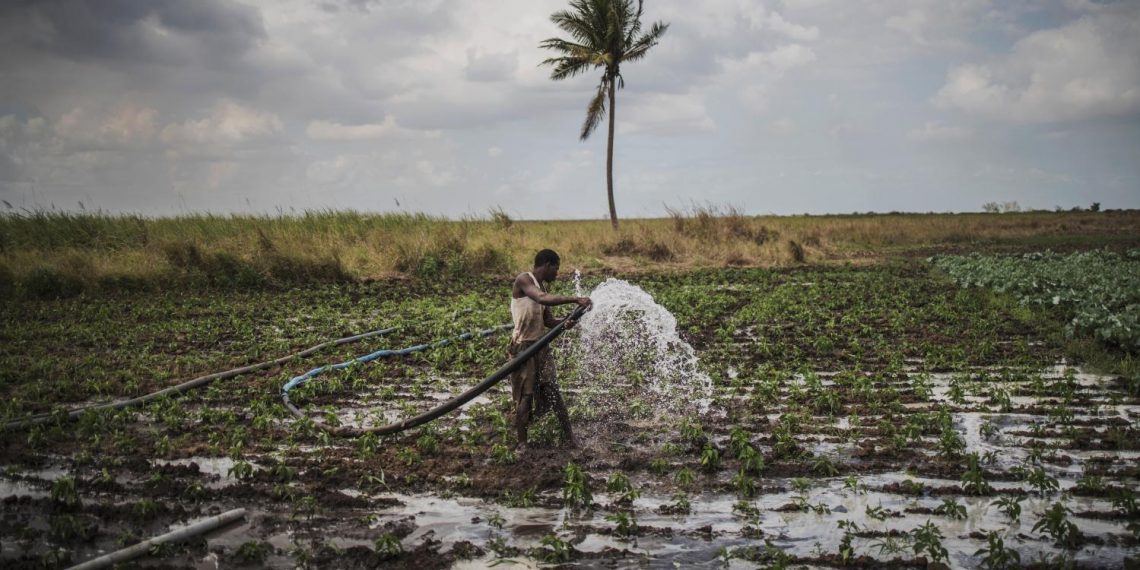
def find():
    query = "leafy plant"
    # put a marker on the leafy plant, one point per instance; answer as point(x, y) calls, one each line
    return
point(710, 459)
point(619, 484)
point(680, 504)
point(388, 546)
point(503, 455)
point(576, 489)
point(625, 523)
point(555, 550)
point(685, 477)
point(1055, 522)
point(64, 491)
point(745, 485)
point(995, 556)
point(253, 552)
point(974, 480)
point(1041, 481)
point(928, 539)
point(951, 508)
point(1010, 507)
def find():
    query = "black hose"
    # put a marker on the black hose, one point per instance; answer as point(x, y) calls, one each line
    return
point(452, 404)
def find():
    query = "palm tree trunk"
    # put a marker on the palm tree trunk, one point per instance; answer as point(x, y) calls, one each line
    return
point(610, 160)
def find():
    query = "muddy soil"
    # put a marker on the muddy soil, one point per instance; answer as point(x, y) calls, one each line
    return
point(873, 400)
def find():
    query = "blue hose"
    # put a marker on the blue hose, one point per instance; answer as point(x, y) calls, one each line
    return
point(299, 380)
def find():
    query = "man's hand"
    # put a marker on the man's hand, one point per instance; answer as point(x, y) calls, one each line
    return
point(584, 302)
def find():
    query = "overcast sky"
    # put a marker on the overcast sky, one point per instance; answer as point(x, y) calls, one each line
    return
point(439, 106)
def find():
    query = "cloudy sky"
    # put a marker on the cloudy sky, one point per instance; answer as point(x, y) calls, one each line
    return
point(782, 106)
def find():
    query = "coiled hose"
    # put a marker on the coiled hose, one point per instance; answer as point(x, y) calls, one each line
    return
point(443, 408)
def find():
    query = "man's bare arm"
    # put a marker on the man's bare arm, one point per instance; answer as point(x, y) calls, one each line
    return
point(546, 299)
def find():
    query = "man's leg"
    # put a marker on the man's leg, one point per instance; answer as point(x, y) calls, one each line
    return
point(522, 418)
point(549, 378)
point(563, 415)
point(522, 389)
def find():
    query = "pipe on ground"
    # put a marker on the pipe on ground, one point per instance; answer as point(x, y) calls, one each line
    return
point(131, 552)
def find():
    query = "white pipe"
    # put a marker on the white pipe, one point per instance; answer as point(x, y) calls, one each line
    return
point(141, 548)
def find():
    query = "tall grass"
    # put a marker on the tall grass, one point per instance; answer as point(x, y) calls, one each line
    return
point(61, 254)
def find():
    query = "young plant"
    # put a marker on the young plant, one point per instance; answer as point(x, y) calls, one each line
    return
point(680, 504)
point(576, 490)
point(1124, 502)
point(1041, 481)
point(685, 477)
point(64, 492)
point(388, 546)
point(241, 470)
point(745, 485)
point(974, 480)
point(951, 508)
point(626, 523)
point(995, 556)
point(555, 550)
point(823, 465)
point(750, 461)
point(619, 484)
point(846, 548)
point(1055, 522)
point(1010, 507)
point(523, 500)
point(503, 455)
point(253, 552)
point(928, 539)
point(950, 444)
point(739, 440)
point(710, 459)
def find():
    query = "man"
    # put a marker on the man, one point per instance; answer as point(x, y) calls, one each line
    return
point(533, 386)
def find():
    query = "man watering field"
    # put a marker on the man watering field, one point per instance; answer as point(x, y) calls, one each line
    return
point(534, 386)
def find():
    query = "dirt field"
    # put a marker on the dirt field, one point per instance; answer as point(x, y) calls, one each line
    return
point(862, 415)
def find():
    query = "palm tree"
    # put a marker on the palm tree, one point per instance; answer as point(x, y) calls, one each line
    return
point(606, 33)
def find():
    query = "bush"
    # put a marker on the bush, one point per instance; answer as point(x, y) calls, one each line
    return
point(626, 246)
point(797, 251)
point(286, 269)
point(182, 255)
point(7, 281)
point(51, 283)
point(447, 255)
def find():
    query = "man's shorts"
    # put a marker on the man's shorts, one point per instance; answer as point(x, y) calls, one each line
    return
point(533, 378)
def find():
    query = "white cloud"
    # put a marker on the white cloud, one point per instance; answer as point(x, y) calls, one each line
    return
point(1087, 68)
point(933, 131)
point(332, 131)
point(779, 60)
point(227, 124)
point(793, 31)
point(494, 152)
point(128, 125)
point(333, 171)
point(785, 126)
point(663, 114)
point(490, 66)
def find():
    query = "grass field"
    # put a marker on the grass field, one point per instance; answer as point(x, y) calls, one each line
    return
point(863, 414)
point(44, 254)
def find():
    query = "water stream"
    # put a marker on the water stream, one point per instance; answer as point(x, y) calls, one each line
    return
point(625, 359)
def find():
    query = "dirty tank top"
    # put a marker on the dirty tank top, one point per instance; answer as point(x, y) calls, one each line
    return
point(527, 316)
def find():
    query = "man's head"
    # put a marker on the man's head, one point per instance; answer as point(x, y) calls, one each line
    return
point(546, 264)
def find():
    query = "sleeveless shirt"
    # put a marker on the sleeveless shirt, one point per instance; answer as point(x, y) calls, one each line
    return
point(527, 316)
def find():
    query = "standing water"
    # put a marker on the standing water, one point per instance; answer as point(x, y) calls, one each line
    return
point(625, 359)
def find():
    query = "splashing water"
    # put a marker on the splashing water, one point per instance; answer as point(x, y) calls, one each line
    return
point(577, 283)
point(625, 359)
